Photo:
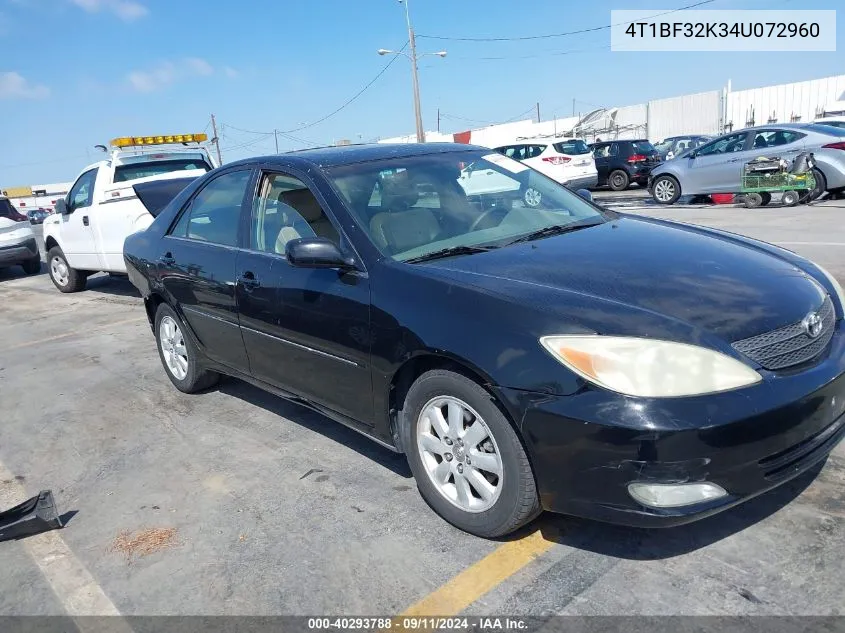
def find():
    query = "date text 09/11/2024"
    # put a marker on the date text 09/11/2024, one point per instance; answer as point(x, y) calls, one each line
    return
point(417, 623)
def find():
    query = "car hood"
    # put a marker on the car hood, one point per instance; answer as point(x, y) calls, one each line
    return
point(664, 272)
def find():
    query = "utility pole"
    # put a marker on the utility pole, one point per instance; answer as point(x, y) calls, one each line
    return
point(216, 141)
point(573, 106)
point(538, 112)
point(414, 76)
point(276, 136)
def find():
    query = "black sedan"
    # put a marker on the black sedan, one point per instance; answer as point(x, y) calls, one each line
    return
point(557, 357)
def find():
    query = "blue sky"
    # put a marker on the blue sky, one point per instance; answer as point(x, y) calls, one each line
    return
point(74, 73)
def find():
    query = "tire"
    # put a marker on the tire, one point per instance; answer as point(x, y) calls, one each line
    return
point(753, 200)
point(32, 266)
point(618, 180)
point(187, 375)
point(665, 189)
point(531, 197)
point(511, 497)
point(65, 278)
point(821, 185)
point(766, 198)
point(790, 198)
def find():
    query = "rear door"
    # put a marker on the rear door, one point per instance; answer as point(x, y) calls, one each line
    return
point(197, 265)
point(306, 330)
point(717, 166)
point(777, 142)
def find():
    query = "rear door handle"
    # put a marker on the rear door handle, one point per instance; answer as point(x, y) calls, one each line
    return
point(85, 220)
point(167, 258)
point(248, 280)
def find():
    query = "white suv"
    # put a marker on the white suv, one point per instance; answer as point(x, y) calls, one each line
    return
point(569, 161)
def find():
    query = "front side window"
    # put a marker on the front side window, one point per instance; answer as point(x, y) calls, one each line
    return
point(286, 210)
point(214, 213)
point(82, 193)
point(533, 151)
point(601, 151)
point(133, 171)
point(471, 199)
point(724, 145)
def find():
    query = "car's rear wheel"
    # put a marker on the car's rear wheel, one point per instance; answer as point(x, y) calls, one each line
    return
point(665, 190)
point(468, 461)
point(618, 180)
point(178, 353)
point(32, 266)
point(821, 185)
point(63, 276)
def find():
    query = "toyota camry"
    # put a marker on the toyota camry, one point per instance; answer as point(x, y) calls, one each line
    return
point(556, 356)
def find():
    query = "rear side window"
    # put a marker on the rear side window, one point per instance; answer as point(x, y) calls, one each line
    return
point(122, 173)
point(214, 213)
point(533, 151)
point(573, 148)
point(6, 210)
point(643, 147)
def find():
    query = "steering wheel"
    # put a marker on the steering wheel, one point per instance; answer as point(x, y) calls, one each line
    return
point(483, 216)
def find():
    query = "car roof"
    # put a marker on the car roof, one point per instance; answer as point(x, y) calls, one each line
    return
point(548, 140)
point(351, 154)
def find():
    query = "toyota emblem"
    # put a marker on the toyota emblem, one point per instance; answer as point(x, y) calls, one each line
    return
point(812, 324)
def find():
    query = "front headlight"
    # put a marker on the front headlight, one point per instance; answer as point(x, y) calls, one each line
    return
point(649, 368)
point(837, 287)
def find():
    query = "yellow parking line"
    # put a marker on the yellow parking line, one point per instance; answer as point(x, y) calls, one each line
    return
point(57, 337)
point(478, 579)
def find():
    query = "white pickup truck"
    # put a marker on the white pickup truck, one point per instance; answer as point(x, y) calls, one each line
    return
point(102, 208)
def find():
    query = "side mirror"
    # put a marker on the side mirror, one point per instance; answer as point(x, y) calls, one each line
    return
point(61, 207)
point(585, 193)
point(316, 252)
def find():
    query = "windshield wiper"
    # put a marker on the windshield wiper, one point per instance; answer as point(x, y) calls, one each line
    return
point(449, 252)
point(554, 229)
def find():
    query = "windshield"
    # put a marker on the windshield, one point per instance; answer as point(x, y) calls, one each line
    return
point(413, 206)
point(574, 147)
point(133, 171)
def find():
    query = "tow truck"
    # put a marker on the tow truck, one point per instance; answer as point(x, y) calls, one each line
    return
point(106, 203)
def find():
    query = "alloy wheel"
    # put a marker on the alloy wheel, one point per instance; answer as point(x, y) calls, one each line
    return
point(173, 347)
point(459, 454)
point(664, 190)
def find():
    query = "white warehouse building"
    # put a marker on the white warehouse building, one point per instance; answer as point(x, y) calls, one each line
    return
point(713, 112)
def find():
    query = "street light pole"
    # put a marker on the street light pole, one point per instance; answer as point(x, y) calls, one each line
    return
point(414, 75)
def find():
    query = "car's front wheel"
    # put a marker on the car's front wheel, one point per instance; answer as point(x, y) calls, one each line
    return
point(468, 461)
point(63, 276)
point(178, 353)
point(665, 189)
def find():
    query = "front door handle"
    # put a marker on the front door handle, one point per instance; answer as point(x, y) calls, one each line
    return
point(249, 281)
point(85, 220)
point(167, 258)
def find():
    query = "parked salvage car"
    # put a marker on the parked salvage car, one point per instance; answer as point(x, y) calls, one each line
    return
point(716, 167)
point(17, 241)
point(619, 163)
point(37, 216)
point(568, 161)
point(560, 357)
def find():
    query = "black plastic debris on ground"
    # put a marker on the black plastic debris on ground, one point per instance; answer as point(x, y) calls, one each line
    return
point(31, 517)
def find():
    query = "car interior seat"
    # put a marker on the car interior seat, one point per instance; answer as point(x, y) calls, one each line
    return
point(400, 226)
point(760, 142)
point(307, 207)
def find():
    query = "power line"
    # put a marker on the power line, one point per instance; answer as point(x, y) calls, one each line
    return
point(551, 35)
point(535, 56)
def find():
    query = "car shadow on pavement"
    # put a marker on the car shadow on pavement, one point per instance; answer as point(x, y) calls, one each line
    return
point(16, 272)
point(316, 422)
point(117, 285)
point(659, 543)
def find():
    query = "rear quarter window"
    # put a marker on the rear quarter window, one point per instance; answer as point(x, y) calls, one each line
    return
point(575, 147)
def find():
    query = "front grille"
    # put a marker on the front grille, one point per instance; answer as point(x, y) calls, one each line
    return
point(789, 345)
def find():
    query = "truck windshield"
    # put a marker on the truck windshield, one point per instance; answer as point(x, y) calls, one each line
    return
point(133, 171)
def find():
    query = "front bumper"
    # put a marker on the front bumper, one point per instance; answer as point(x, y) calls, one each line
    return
point(586, 448)
point(584, 182)
point(17, 253)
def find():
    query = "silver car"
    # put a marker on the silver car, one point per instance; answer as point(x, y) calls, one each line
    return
point(716, 167)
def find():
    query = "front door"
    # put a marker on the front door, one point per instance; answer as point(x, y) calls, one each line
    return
point(717, 166)
point(76, 233)
point(306, 330)
point(197, 266)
